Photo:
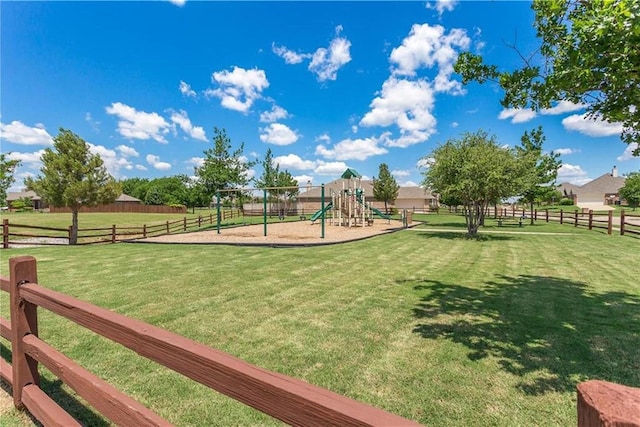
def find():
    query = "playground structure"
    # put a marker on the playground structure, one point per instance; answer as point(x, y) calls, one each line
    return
point(348, 207)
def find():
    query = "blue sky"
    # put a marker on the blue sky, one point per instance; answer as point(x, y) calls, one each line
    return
point(325, 85)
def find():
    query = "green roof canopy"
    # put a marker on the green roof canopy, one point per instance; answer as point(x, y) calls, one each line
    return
point(351, 173)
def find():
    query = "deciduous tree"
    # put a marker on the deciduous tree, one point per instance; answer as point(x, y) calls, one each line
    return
point(7, 169)
point(630, 192)
point(71, 176)
point(385, 188)
point(540, 168)
point(475, 171)
point(588, 55)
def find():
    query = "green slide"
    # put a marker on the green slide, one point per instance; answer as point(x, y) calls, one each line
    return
point(321, 211)
point(375, 211)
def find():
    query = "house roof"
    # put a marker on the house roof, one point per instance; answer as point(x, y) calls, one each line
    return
point(567, 188)
point(12, 196)
point(606, 183)
point(367, 186)
point(127, 198)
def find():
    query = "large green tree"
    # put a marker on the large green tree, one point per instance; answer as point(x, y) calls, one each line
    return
point(385, 187)
point(588, 54)
point(630, 192)
point(223, 168)
point(73, 177)
point(136, 187)
point(540, 168)
point(7, 169)
point(475, 171)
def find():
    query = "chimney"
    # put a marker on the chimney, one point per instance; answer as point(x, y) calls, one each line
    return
point(614, 172)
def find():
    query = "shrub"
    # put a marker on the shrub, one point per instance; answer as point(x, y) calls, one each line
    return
point(566, 202)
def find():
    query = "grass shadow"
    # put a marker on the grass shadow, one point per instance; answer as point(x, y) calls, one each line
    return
point(54, 389)
point(453, 235)
point(552, 333)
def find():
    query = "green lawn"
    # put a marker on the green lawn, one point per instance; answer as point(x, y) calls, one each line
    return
point(428, 325)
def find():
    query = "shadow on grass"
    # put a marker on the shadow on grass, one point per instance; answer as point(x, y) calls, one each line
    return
point(552, 333)
point(55, 391)
point(454, 235)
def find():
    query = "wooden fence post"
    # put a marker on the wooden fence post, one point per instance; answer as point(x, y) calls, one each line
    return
point(144, 230)
point(113, 233)
point(199, 221)
point(590, 219)
point(69, 233)
point(575, 221)
point(24, 321)
point(561, 216)
point(610, 223)
point(622, 222)
point(535, 215)
point(167, 227)
point(546, 215)
point(5, 233)
point(184, 222)
point(210, 218)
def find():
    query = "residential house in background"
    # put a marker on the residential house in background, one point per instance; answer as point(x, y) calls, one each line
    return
point(597, 194)
point(36, 201)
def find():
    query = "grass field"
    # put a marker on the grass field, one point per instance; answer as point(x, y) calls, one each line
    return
point(428, 325)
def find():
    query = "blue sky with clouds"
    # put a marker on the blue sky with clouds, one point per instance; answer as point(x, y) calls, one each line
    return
point(325, 85)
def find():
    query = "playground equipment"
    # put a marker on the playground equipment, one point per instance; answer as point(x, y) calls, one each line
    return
point(348, 206)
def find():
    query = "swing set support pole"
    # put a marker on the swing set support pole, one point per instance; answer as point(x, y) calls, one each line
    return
point(264, 210)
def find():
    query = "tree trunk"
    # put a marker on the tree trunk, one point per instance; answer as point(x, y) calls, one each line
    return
point(386, 210)
point(73, 239)
point(531, 213)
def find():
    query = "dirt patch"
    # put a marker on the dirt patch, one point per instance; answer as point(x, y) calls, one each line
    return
point(283, 233)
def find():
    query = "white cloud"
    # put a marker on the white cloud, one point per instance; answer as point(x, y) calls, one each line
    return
point(182, 119)
point(31, 160)
point(127, 151)
point(289, 56)
point(403, 172)
point(278, 134)
point(141, 168)
point(302, 181)
point(593, 127)
point(19, 133)
point(425, 162)
point(294, 162)
point(185, 89)
point(426, 46)
point(442, 5)
point(325, 63)
point(628, 152)
point(353, 149)
point(566, 151)
point(178, 3)
point(562, 107)
point(324, 137)
point(408, 104)
point(276, 113)
point(455, 124)
point(139, 124)
point(156, 163)
point(238, 89)
point(196, 161)
point(95, 125)
point(573, 174)
point(111, 160)
point(408, 184)
point(517, 115)
point(330, 168)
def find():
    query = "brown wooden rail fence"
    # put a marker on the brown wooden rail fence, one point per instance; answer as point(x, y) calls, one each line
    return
point(629, 222)
point(23, 234)
point(288, 399)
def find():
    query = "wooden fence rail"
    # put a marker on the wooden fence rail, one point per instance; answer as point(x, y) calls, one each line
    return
point(288, 399)
point(112, 234)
